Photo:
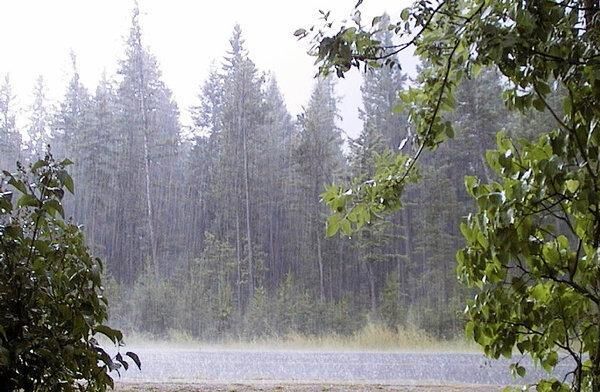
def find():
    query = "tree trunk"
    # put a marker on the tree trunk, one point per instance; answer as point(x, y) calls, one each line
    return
point(274, 274)
point(371, 275)
point(149, 211)
point(248, 229)
point(320, 261)
point(591, 7)
point(407, 247)
point(595, 359)
point(145, 130)
point(238, 246)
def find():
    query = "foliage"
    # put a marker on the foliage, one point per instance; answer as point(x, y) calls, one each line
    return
point(532, 247)
point(50, 290)
point(249, 174)
point(10, 142)
point(390, 310)
point(155, 301)
point(257, 316)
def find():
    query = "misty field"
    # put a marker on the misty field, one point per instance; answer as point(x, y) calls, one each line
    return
point(275, 387)
point(173, 368)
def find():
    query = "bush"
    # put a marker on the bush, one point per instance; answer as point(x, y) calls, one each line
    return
point(154, 304)
point(50, 290)
point(258, 315)
point(390, 308)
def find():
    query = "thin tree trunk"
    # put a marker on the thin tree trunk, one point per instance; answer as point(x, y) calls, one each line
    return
point(238, 245)
point(274, 274)
point(248, 229)
point(371, 275)
point(320, 260)
point(149, 211)
point(407, 247)
point(595, 359)
point(486, 170)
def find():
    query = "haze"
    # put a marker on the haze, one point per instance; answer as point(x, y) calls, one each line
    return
point(187, 37)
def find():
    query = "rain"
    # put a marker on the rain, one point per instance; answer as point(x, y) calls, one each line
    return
point(304, 196)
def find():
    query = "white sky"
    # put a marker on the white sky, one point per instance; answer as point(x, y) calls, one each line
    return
point(187, 36)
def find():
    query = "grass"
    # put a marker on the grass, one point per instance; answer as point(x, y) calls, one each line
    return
point(372, 337)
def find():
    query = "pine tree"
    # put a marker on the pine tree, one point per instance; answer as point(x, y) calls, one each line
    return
point(39, 128)
point(380, 87)
point(384, 129)
point(318, 159)
point(70, 125)
point(201, 183)
point(149, 140)
point(240, 138)
point(10, 138)
point(99, 158)
point(273, 164)
point(439, 204)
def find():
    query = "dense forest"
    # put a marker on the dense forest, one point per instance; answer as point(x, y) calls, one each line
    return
point(222, 234)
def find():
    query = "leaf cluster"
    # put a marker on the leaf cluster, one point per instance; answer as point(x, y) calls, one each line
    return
point(50, 289)
point(532, 246)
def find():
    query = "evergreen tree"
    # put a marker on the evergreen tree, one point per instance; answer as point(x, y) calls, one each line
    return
point(273, 162)
point(242, 134)
point(379, 243)
point(318, 160)
point(39, 128)
point(99, 160)
point(149, 141)
point(71, 120)
point(10, 138)
point(202, 183)
point(380, 114)
point(70, 125)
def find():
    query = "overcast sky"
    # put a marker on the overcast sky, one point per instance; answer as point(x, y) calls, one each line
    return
point(187, 36)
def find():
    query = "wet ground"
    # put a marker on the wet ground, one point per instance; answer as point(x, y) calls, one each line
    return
point(171, 369)
point(298, 387)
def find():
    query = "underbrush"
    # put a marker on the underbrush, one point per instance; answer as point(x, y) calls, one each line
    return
point(372, 337)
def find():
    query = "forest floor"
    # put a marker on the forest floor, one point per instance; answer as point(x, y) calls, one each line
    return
point(298, 387)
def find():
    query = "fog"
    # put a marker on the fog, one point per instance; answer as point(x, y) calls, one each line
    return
point(203, 147)
point(187, 37)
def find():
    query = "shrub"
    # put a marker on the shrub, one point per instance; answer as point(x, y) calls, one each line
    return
point(50, 290)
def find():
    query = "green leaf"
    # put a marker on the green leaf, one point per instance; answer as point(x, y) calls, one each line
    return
point(4, 356)
point(28, 200)
point(550, 362)
point(517, 370)
point(572, 185)
point(52, 206)
point(134, 357)
point(114, 335)
point(346, 227)
point(120, 359)
point(38, 164)
point(405, 14)
point(68, 182)
point(333, 225)
point(541, 292)
point(18, 184)
point(300, 32)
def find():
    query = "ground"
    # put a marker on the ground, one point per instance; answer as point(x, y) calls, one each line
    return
point(298, 387)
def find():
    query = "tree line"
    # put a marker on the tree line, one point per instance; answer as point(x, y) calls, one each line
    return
point(223, 234)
